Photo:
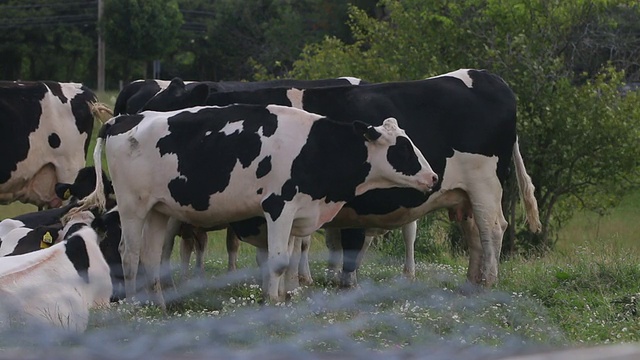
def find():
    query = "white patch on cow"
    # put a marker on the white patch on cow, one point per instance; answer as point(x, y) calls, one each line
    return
point(207, 133)
point(351, 80)
point(44, 286)
point(70, 90)
point(7, 225)
point(456, 171)
point(462, 74)
point(295, 96)
point(233, 127)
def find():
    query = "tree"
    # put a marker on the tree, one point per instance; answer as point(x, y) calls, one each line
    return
point(47, 39)
point(577, 133)
point(140, 31)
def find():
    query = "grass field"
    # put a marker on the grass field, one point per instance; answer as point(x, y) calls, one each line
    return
point(583, 293)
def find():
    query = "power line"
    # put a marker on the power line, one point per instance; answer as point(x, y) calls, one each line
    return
point(32, 6)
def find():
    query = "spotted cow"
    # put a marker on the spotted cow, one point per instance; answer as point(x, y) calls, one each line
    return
point(162, 95)
point(464, 122)
point(217, 165)
point(45, 128)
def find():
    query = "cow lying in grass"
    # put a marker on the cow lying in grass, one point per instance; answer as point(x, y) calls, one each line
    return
point(57, 285)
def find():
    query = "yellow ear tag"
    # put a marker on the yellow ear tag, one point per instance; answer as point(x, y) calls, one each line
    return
point(67, 194)
point(47, 240)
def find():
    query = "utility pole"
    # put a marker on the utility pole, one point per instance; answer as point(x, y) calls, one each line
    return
point(101, 56)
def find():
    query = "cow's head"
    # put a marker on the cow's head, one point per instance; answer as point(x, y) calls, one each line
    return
point(178, 96)
point(83, 185)
point(395, 160)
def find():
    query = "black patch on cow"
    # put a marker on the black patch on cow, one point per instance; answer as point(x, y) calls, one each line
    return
point(43, 217)
point(384, 201)
point(81, 105)
point(264, 167)
point(20, 113)
point(108, 226)
point(54, 141)
point(120, 125)
point(259, 191)
point(31, 241)
point(274, 204)
point(134, 95)
point(75, 227)
point(249, 227)
point(76, 251)
point(56, 90)
point(276, 96)
point(178, 96)
point(402, 157)
point(331, 164)
point(206, 156)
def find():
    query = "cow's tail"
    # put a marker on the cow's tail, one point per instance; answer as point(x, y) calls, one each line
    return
point(96, 199)
point(101, 111)
point(526, 190)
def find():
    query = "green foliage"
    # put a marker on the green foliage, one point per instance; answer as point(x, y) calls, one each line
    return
point(141, 30)
point(432, 240)
point(37, 44)
point(577, 132)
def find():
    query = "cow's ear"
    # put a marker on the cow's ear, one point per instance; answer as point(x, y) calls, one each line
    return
point(366, 130)
point(198, 95)
point(63, 191)
point(176, 82)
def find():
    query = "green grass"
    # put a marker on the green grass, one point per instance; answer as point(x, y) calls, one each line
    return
point(585, 293)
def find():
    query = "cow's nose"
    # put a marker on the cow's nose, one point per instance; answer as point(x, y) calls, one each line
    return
point(435, 179)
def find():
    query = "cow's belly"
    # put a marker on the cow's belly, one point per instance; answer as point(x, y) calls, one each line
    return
point(38, 189)
point(223, 209)
point(444, 198)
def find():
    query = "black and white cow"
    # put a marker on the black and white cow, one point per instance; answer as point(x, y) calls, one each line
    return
point(464, 122)
point(57, 285)
point(162, 95)
point(45, 128)
point(216, 165)
point(134, 96)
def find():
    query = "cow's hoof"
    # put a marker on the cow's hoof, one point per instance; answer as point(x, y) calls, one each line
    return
point(305, 280)
point(348, 280)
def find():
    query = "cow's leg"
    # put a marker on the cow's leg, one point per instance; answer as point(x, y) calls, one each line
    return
point(304, 273)
point(278, 248)
point(262, 255)
point(187, 246)
point(233, 244)
point(291, 280)
point(173, 227)
point(332, 239)
point(154, 233)
point(200, 242)
point(472, 237)
point(130, 246)
point(368, 240)
point(409, 232)
point(486, 197)
point(352, 242)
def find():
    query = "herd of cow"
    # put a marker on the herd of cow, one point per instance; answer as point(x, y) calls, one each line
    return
point(270, 162)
